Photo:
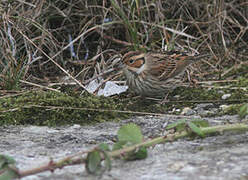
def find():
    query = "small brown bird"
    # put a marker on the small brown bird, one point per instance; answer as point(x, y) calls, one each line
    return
point(155, 74)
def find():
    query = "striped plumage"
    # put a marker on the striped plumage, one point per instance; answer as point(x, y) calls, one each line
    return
point(155, 74)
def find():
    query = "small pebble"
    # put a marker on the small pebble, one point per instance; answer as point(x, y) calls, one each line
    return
point(224, 107)
point(204, 106)
point(187, 111)
point(75, 126)
point(225, 96)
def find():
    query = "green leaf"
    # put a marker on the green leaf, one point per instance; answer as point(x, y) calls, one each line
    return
point(179, 126)
point(5, 161)
point(103, 150)
point(200, 122)
point(196, 129)
point(8, 170)
point(107, 161)
point(130, 133)
point(93, 162)
point(140, 154)
point(104, 147)
point(119, 145)
point(8, 174)
point(243, 111)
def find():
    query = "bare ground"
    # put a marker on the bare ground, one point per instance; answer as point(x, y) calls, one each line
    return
point(217, 157)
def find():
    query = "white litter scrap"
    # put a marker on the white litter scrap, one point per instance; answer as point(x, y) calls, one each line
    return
point(93, 85)
point(109, 89)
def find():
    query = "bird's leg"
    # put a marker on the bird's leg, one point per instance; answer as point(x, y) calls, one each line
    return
point(165, 99)
point(192, 81)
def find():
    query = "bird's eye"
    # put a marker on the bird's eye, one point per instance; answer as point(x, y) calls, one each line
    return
point(131, 61)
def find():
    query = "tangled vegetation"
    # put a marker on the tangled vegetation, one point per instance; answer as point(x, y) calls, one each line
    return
point(47, 42)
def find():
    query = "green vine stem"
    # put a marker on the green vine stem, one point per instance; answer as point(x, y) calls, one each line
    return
point(169, 137)
point(178, 135)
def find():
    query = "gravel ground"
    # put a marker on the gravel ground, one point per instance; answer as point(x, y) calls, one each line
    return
point(222, 157)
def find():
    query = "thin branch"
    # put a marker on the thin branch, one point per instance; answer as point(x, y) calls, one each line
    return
point(40, 86)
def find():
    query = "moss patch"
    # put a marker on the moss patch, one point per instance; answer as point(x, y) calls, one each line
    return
point(188, 94)
point(51, 108)
point(231, 109)
point(242, 81)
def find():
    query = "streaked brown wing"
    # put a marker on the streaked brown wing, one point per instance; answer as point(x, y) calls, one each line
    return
point(166, 66)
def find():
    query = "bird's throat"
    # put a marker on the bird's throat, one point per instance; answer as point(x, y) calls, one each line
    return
point(141, 69)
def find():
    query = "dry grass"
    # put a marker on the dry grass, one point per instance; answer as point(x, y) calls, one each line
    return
point(40, 41)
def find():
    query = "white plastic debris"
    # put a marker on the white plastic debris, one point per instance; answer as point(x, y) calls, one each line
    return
point(109, 89)
point(93, 85)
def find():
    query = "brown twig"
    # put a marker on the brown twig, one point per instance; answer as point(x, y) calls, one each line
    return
point(40, 86)
point(98, 75)
point(117, 40)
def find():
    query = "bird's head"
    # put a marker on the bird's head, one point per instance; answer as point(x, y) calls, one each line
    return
point(134, 61)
